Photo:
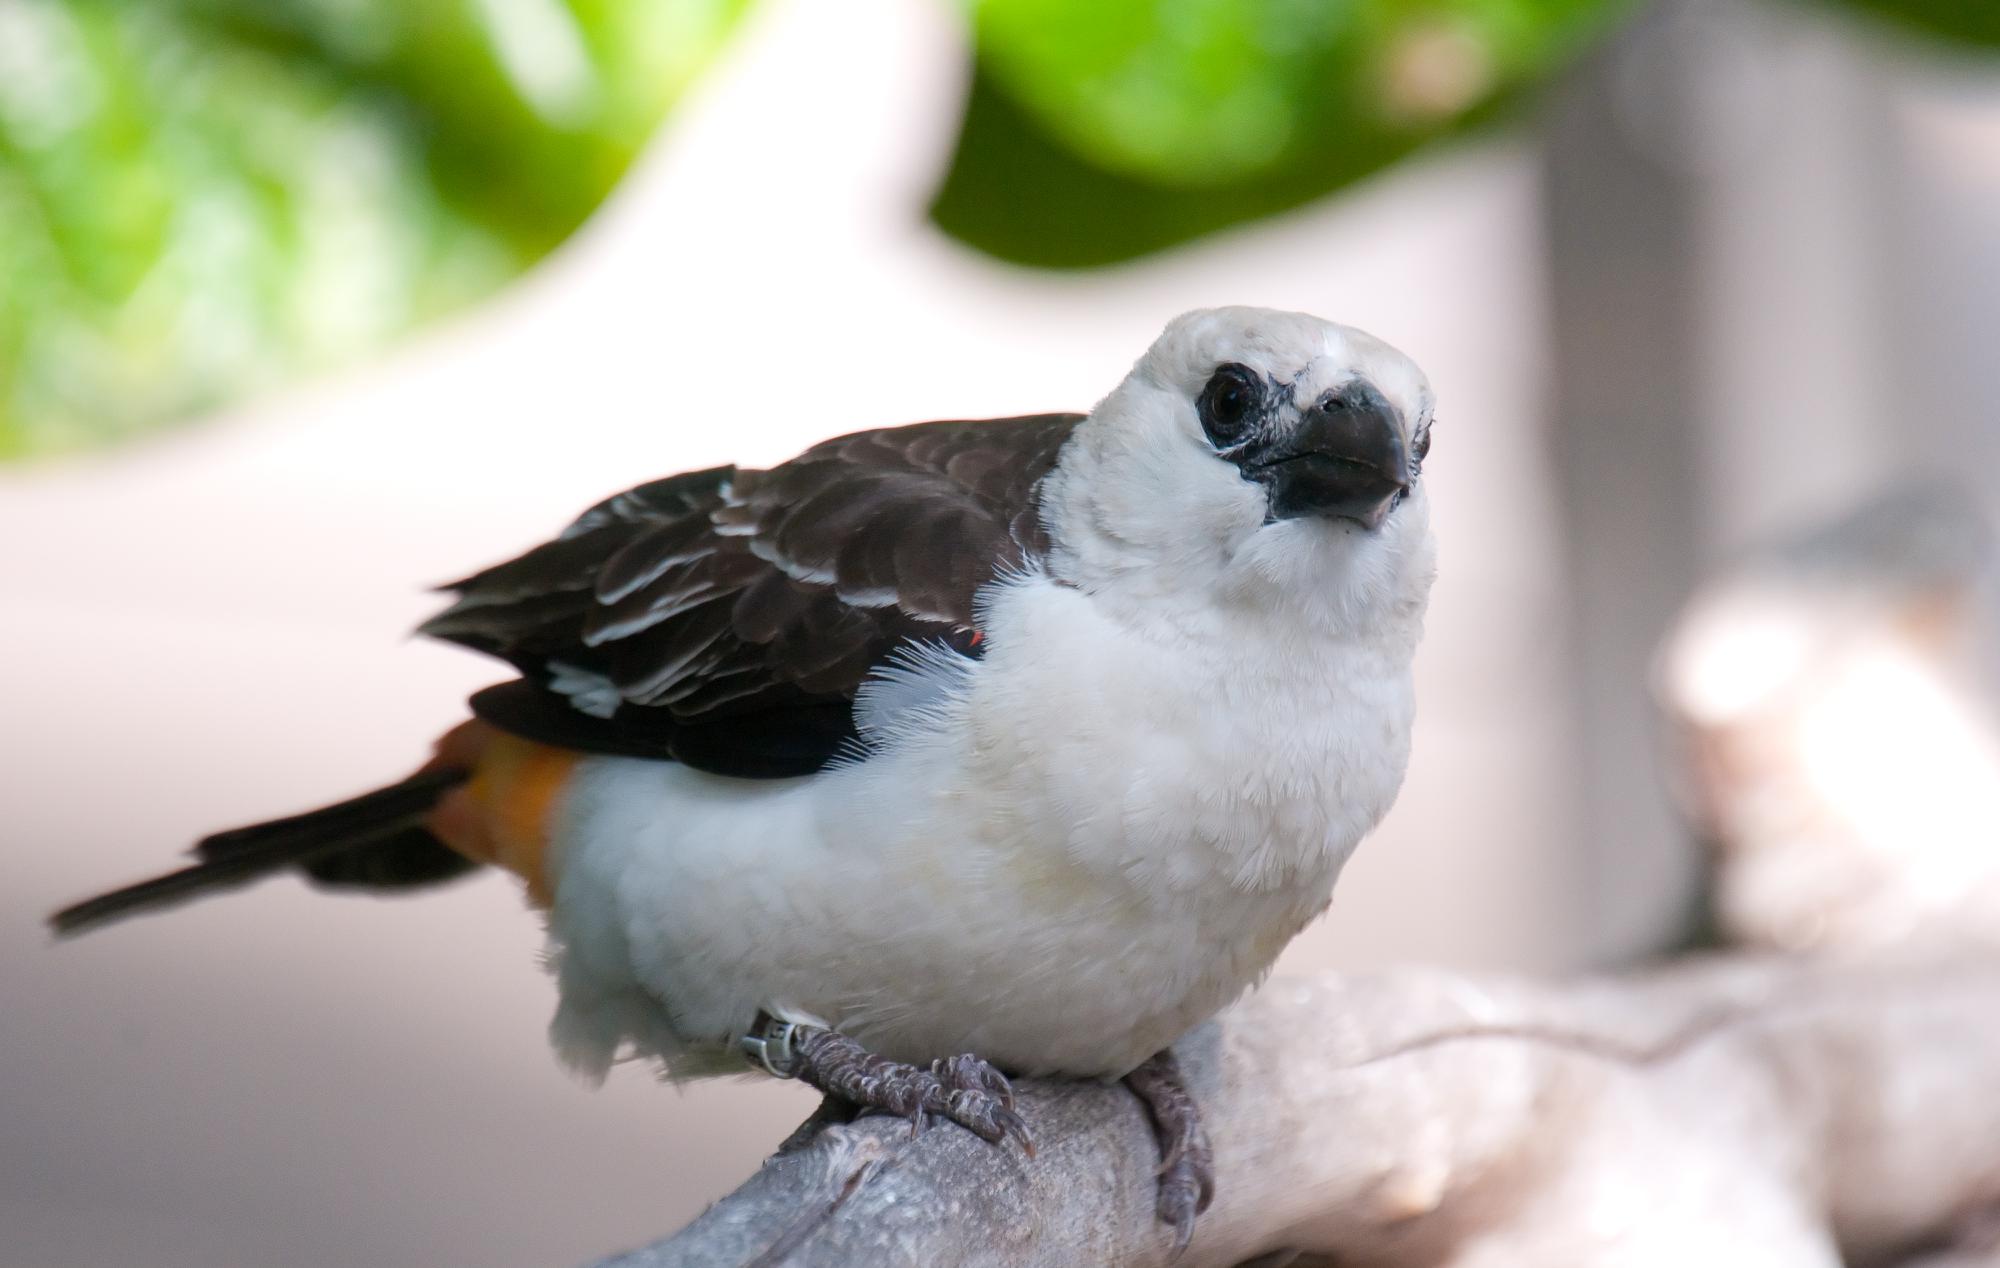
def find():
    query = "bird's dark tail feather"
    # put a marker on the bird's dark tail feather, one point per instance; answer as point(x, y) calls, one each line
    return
point(313, 839)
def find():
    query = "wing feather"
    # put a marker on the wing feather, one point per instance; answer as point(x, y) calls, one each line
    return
point(680, 588)
point(727, 618)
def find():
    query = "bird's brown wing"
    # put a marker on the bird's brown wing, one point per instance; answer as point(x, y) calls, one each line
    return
point(726, 618)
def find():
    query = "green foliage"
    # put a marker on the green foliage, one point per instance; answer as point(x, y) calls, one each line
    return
point(1975, 22)
point(199, 197)
point(1101, 131)
point(202, 197)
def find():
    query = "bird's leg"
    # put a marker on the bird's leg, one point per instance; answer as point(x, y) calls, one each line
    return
point(963, 1089)
point(1187, 1165)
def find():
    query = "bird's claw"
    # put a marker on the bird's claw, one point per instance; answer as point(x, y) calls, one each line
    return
point(968, 1071)
point(1186, 1175)
point(964, 1089)
point(986, 1115)
point(971, 1093)
point(1185, 1190)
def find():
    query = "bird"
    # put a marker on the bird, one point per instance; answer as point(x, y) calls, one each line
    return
point(940, 754)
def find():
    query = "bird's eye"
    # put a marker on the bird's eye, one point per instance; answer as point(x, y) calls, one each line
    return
point(1228, 405)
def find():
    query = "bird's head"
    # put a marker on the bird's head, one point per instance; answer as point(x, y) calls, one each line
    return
point(1250, 444)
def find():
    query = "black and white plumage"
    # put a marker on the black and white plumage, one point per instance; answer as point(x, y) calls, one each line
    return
point(1032, 738)
point(727, 618)
point(1079, 718)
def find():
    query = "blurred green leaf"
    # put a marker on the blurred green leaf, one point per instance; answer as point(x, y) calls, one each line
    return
point(202, 197)
point(1968, 21)
point(1096, 132)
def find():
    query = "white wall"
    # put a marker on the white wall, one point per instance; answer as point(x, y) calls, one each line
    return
point(1776, 295)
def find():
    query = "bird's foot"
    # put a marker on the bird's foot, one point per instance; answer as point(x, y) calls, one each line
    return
point(964, 1089)
point(1187, 1164)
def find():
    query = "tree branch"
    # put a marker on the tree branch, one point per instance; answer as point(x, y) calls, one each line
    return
point(1734, 1112)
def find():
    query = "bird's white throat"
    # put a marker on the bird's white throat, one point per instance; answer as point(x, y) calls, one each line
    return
point(1097, 836)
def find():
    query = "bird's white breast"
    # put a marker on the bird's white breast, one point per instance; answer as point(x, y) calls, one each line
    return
point(1080, 849)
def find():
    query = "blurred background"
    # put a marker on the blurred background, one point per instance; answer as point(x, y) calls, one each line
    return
point(306, 306)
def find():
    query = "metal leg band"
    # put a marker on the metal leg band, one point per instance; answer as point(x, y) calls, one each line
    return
point(770, 1046)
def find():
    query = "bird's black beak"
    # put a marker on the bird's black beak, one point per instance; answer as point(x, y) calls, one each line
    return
point(1346, 459)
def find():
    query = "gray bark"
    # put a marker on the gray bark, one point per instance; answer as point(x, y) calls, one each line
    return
point(1740, 1111)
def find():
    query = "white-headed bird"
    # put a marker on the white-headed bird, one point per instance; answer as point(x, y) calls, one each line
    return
point(940, 751)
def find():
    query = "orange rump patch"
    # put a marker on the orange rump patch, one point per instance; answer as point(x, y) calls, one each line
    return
point(503, 814)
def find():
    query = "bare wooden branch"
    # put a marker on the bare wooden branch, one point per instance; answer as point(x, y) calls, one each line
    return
point(1752, 1112)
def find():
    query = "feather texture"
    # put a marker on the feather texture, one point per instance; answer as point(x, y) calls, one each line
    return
point(372, 840)
point(727, 618)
